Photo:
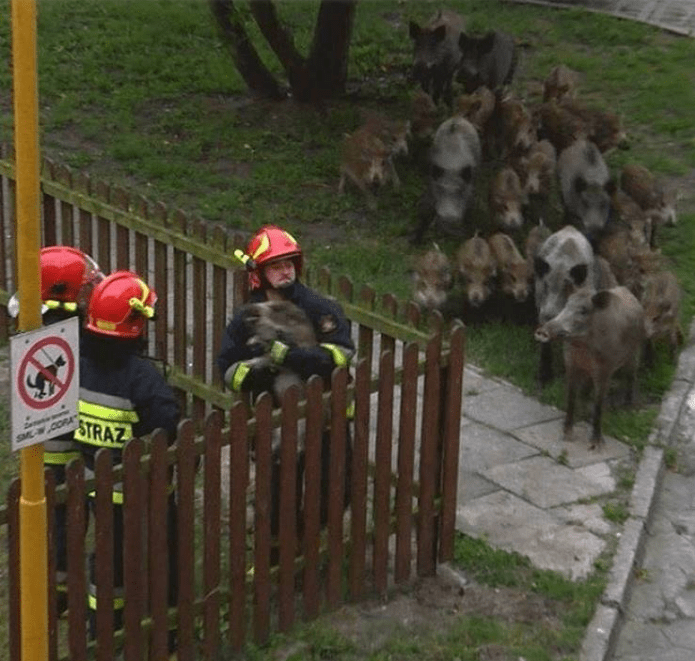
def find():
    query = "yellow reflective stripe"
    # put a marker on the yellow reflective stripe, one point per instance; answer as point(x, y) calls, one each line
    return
point(239, 376)
point(350, 411)
point(339, 356)
point(60, 458)
point(107, 412)
point(262, 247)
point(68, 306)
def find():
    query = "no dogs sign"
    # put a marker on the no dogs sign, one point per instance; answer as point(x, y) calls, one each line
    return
point(45, 388)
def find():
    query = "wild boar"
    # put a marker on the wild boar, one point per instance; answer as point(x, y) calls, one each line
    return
point(506, 199)
point(536, 169)
point(436, 56)
point(513, 271)
point(661, 299)
point(278, 320)
point(477, 269)
point(603, 127)
point(641, 185)
point(586, 187)
point(514, 128)
point(489, 60)
point(477, 107)
point(365, 162)
point(602, 332)
point(559, 125)
point(432, 279)
point(394, 135)
point(453, 163)
point(564, 263)
point(560, 84)
point(423, 116)
point(534, 240)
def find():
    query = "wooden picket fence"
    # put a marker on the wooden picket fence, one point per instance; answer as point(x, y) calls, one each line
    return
point(405, 387)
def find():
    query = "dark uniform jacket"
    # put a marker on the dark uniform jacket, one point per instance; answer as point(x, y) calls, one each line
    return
point(122, 396)
point(335, 346)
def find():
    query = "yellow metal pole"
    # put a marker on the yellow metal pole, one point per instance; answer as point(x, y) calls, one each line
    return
point(33, 556)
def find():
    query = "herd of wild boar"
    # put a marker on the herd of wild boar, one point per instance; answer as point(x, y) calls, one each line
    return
point(559, 234)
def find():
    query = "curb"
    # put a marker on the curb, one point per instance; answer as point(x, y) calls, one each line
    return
point(604, 628)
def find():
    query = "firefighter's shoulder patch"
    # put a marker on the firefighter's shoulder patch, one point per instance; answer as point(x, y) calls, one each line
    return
point(328, 324)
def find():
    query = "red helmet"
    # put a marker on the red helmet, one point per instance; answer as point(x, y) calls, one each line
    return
point(68, 277)
point(120, 305)
point(270, 244)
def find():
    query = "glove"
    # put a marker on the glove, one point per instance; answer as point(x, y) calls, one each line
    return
point(242, 376)
point(278, 352)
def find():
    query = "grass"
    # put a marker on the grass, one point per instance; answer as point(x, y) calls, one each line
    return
point(143, 95)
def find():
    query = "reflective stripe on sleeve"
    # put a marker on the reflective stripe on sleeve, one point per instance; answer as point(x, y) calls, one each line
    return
point(239, 375)
point(340, 356)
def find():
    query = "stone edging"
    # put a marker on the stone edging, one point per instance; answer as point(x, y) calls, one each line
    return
point(602, 632)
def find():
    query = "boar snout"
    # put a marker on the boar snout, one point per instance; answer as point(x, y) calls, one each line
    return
point(544, 333)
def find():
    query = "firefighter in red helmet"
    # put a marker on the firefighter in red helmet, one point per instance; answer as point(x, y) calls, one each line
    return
point(275, 262)
point(68, 277)
point(122, 396)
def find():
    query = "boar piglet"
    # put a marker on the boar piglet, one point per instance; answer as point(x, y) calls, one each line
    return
point(453, 163)
point(602, 332)
point(477, 269)
point(277, 320)
point(506, 199)
point(489, 60)
point(651, 196)
point(560, 84)
point(512, 269)
point(586, 187)
point(432, 279)
point(436, 55)
point(661, 299)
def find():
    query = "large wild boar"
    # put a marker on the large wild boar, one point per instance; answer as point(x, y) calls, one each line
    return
point(453, 162)
point(477, 269)
point(432, 278)
point(602, 332)
point(564, 263)
point(489, 60)
point(512, 269)
point(436, 56)
point(586, 187)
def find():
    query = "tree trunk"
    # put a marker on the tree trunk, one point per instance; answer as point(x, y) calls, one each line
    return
point(322, 75)
point(246, 59)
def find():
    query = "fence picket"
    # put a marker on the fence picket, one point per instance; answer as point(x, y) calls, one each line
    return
point(211, 534)
point(77, 516)
point(133, 544)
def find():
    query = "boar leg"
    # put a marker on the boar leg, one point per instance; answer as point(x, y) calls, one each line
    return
point(600, 389)
point(545, 364)
point(572, 388)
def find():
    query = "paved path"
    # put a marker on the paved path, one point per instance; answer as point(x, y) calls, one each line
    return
point(673, 15)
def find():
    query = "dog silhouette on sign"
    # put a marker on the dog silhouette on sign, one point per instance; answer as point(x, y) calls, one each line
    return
point(39, 384)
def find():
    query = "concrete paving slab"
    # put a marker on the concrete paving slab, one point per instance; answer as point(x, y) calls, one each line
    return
point(471, 485)
point(507, 408)
point(544, 482)
point(482, 447)
point(510, 523)
point(475, 382)
point(589, 516)
point(547, 437)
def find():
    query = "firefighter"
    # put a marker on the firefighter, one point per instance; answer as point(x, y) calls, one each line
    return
point(122, 396)
point(274, 260)
point(68, 277)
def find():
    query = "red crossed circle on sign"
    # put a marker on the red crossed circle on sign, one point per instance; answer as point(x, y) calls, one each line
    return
point(46, 371)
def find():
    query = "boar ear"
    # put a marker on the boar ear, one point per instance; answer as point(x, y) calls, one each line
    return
point(414, 30)
point(439, 33)
point(486, 43)
point(540, 267)
point(578, 274)
point(580, 185)
point(601, 299)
